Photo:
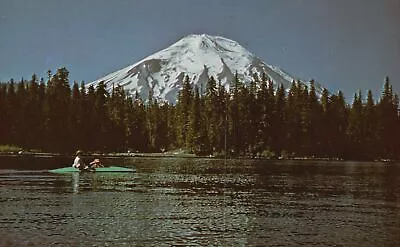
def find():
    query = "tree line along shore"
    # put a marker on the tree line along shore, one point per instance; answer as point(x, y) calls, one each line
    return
point(258, 119)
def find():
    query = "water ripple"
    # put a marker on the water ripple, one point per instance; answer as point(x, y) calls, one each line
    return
point(202, 203)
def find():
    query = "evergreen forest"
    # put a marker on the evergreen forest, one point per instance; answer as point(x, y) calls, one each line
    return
point(258, 119)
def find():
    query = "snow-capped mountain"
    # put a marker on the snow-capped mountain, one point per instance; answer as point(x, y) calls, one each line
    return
point(199, 57)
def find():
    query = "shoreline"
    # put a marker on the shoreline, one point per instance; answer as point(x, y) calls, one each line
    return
point(178, 155)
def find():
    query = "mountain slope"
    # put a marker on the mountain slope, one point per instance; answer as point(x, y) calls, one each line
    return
point(199, 57)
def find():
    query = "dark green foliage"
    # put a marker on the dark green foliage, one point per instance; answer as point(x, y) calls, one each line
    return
point(235, 121)
point(76, 118)
point(33, 114)
point(388, 122)
point(4, 125)
point(334, 125)
point(185, 98)
point(293, 119)
point(212, 110)
point(355, 127)
point(197, 139)
point(278, 123)
point(250, 120)
point(58, 123)
point(370, 125)
point(115, 129)
point(135, 122)
point(157, 125)
point(12, 107)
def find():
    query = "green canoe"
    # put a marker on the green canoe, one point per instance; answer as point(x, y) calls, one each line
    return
point(99, 169)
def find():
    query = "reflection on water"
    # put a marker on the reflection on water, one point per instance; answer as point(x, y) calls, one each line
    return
point(75, 182)
point(204, 202)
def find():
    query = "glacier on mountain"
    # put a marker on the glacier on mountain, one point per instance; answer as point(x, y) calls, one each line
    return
point(199, 57)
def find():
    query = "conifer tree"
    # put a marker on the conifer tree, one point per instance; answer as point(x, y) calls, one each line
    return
point(325, 146)
point(263, 122)
point(370, 127)
point(131, 125)
point(82, 113)
point(3, 116)
point(166, 127)
point(305, 120)
point(89, 128)
point(157, 124)
point(42, 132)
point(335, 126)
point(355, 128)
point(33, 114)
point(293, 119)
point(250, 114)
point(222, 118)
point(278, 129)
point(20, 109)
point(58, 115)
point(153, 118)
point(314, 113)
point(197, 132)
point(185, 98)
point(76, 122)
point(234, 119)
point(271, 111)
point(388, 120)
point(116, 114)
point(212, 113)
point(11, 109)
point(100, 120)
point(136, 133)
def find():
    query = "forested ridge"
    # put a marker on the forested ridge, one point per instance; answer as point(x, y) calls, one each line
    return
point(258, 119)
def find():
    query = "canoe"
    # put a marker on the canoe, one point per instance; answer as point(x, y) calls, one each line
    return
point(99, 169)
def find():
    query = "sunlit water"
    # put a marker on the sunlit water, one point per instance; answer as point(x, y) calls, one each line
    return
point(204, 202)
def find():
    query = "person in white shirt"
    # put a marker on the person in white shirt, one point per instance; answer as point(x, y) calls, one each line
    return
point(78, 162)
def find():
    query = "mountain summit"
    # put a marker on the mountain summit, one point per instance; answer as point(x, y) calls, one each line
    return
point(199, 57)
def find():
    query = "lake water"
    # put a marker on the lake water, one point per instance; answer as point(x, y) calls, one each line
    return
point(203, 202)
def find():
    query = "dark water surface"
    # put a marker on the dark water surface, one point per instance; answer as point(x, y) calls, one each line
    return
point(204, 202)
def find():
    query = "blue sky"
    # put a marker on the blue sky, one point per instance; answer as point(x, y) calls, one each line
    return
point(349, 45)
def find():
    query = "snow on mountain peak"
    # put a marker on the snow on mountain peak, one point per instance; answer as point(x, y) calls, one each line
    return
point(199, 57)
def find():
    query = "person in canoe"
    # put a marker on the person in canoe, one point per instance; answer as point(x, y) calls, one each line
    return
point(80, 164)
point(78, 161)
point(95, 163)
